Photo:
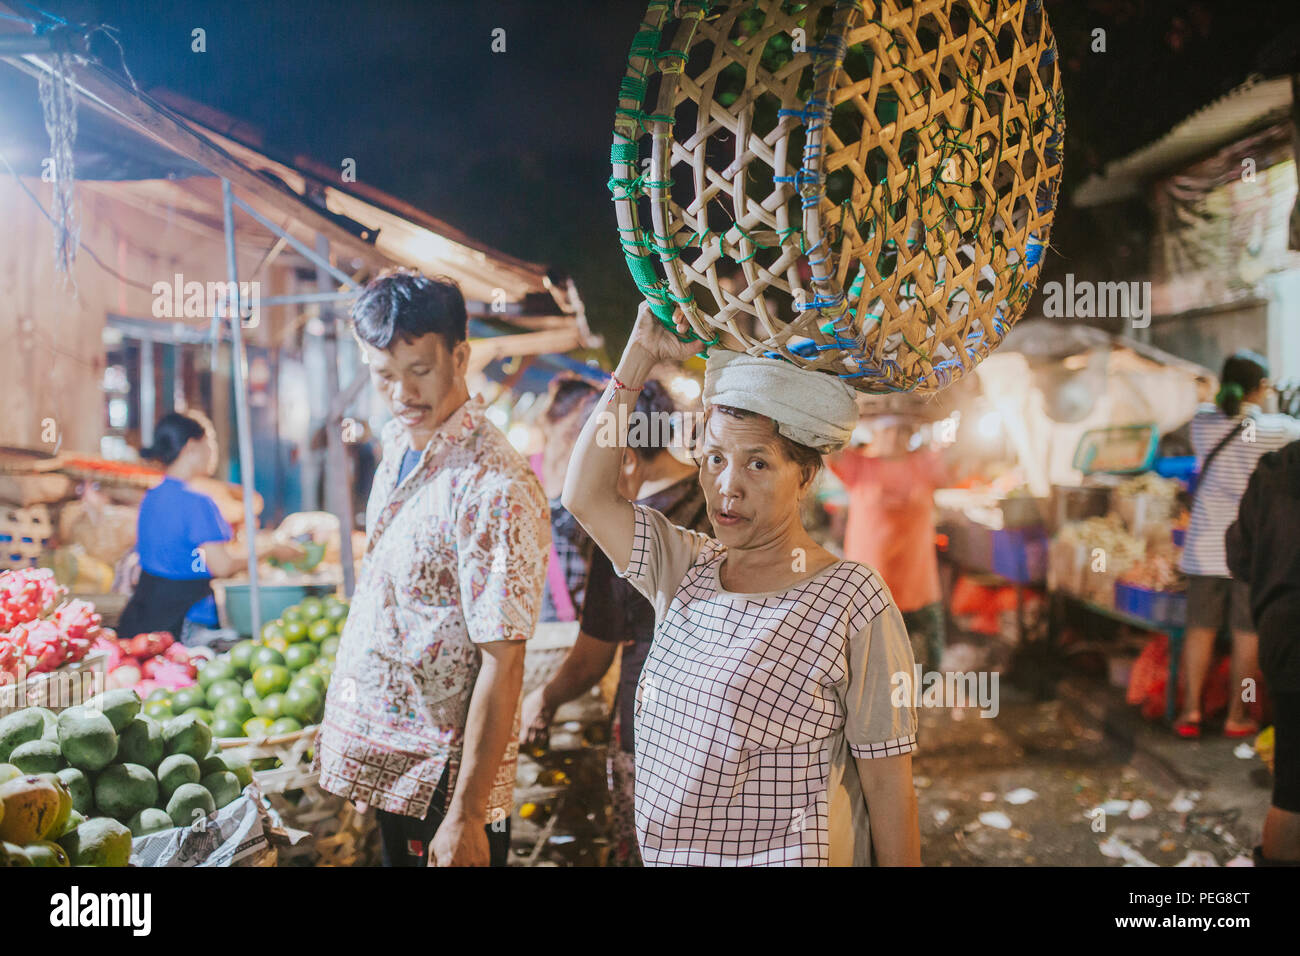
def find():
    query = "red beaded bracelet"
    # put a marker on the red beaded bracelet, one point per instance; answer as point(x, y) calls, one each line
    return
point(619, 385)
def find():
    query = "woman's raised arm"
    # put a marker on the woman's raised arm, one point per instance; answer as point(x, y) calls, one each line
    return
point(591, 486)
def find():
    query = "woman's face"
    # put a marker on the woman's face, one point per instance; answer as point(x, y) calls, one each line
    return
point(202, 454)
point(751, 488)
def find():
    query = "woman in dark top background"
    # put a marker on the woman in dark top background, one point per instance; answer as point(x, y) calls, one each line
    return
point(614, 613)
point(181, 537)
point(1263, 548)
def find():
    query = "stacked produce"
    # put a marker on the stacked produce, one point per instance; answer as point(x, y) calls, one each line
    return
point(1107, 535)
point(147, 662)
point(1158, 571)
point(1086, 557)
point(97, 774)
point(37, 633)
point(1148, 504)
point(269, 687)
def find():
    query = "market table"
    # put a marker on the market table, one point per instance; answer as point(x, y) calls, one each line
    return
point(1014, 557)
point(1174, 631)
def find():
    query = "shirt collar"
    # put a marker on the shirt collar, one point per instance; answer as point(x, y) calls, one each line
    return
point(459, 425)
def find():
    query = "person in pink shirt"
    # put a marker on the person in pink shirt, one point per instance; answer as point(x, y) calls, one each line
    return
point(891, 525)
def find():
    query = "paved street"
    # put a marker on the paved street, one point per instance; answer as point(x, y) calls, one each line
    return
point(1198, 802)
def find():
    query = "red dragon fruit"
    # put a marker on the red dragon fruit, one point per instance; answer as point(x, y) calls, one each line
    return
point(27, 594)
point(42, 641)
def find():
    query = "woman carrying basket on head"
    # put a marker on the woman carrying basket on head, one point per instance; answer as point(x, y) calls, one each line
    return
point(768, 730)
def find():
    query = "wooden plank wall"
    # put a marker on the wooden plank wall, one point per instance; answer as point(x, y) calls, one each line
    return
point(51, 348)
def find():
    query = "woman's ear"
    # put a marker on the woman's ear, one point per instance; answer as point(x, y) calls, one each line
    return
point(807, 477)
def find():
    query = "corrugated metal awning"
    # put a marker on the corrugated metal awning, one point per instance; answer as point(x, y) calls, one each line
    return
point(1255, 103)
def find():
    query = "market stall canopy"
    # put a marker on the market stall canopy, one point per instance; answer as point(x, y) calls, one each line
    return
point(1254, 104)
point(1053, 381)
point(103, 151)
point(168, 155)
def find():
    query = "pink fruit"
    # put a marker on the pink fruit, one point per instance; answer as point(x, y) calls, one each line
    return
point(124, 676)
point(112, 649)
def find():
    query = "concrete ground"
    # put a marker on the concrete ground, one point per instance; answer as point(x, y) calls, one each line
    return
point(1163, 801)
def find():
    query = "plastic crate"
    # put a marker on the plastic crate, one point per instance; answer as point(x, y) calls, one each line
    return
point(1020, 554)
point(1167, 608)
point(274, 599)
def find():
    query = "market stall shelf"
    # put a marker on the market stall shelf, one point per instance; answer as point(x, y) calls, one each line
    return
point(24, 534)
point(56, 690)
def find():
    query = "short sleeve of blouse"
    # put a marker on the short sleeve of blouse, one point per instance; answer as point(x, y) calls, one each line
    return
point(661, 554)
point(878, 724)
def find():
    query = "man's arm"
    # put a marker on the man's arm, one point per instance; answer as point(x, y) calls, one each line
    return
point(461, 840)
point(891, 807)
point(583, 666)
point(591, 484)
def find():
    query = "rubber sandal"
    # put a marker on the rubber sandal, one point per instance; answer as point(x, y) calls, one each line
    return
point(1245, 730)
point(1188, 729)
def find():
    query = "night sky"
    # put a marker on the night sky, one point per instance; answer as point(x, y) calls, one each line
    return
point(513, 147)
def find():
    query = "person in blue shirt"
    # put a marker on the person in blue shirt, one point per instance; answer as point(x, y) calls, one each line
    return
point(181, 537)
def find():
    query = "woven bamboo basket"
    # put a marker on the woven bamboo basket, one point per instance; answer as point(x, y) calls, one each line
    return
point(290, 749)
point(340, 836)
point(24, 534)
point(862, 188)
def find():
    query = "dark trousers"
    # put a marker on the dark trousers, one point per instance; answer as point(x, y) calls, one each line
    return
point(406, 840)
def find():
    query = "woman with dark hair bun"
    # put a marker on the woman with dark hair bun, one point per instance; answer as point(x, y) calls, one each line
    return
point(1230, 437)
point(181, 537)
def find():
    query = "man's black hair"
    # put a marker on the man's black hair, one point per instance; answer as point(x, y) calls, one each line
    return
point(569, 394)
point(405, 304)
point(656, 405)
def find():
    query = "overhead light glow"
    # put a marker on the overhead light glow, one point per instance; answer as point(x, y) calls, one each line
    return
point(684, 388)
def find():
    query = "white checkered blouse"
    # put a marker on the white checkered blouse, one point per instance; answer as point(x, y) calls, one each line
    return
point(750, 707)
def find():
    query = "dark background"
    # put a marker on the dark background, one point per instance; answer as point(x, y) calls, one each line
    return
point(513, 147)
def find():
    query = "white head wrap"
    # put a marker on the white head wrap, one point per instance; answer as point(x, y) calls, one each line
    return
point(812, 408)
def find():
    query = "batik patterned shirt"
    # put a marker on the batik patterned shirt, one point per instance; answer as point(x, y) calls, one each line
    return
point(455, 557)
point(753, 708)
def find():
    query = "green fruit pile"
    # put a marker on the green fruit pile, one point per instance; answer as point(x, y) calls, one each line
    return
point(272, 686)
point(89, 779)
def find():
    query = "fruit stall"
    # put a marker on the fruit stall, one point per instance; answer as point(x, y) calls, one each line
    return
point(178, 736)
point(1115, 552)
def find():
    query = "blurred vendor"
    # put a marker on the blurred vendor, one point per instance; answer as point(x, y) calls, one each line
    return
point(891, 477)
point(181, 537)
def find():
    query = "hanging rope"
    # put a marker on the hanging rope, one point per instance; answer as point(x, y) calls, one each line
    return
point(59, 108)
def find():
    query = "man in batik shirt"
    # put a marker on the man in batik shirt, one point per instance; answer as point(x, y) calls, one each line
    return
point(421, 717)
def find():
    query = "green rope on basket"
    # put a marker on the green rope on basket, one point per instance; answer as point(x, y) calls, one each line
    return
point(631, 187)
point(632, 88)
point(626, 153)
point(645, 43)
point(640, 117)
